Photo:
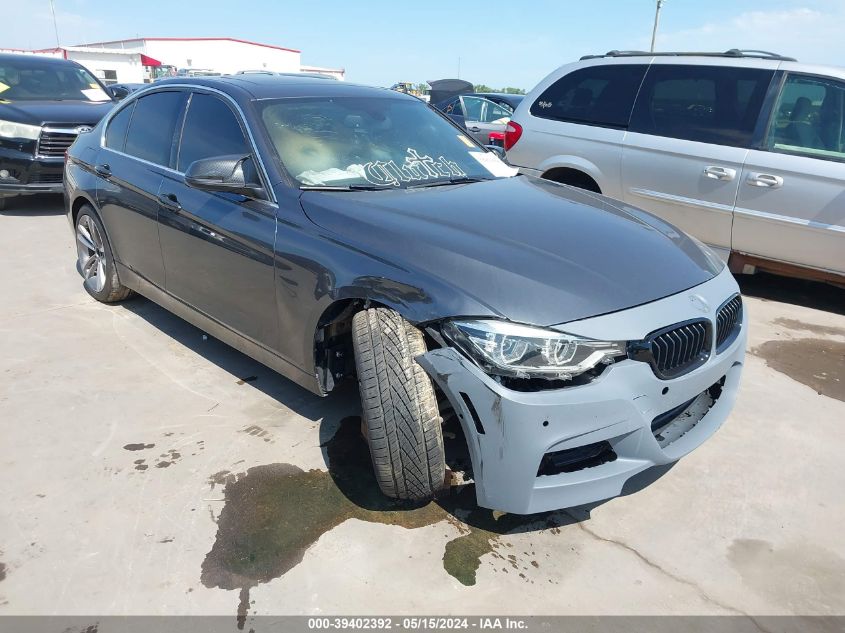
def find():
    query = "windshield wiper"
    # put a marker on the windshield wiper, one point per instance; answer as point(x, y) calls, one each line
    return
point(345, 187)
point(455, 180)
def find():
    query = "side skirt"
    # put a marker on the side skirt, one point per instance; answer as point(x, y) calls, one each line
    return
point(219, 331)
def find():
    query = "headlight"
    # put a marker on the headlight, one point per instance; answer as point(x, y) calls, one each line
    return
point(510, 349)
point(10, 129)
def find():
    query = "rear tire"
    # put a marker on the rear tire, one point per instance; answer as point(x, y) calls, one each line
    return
point(399, 405)
point(95, 260)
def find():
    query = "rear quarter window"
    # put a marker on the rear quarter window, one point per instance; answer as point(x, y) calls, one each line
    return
point(599, 95)
point(116, 130)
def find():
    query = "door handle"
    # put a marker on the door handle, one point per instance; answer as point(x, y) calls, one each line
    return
point(765, 180)
point(169, 201)
point(719, 173)
point(103, 170)
point(208, 232)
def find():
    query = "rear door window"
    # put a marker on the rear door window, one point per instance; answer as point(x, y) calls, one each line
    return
point(151, 131)
point(211, 129)
point(600, 95)
point(809, 118)
point(708, 104)
point(116, 131)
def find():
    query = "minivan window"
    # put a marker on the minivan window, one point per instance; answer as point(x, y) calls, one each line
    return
point(599, 95)
point(808, 118)
point(150, 135)
point(211, 129)
point(116, 131)
point(708, 104)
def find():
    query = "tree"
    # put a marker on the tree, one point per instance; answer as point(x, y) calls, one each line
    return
point(509, 90)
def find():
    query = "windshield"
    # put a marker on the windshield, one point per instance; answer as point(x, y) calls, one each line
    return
point(27, 81)
point(373, 142)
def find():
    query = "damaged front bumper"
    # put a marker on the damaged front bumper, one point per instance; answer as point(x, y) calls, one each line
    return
point(545, 450)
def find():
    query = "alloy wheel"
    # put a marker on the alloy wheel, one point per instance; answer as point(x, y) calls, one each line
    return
point(92, 254)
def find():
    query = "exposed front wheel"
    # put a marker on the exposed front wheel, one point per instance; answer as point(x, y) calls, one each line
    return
point(95, 261)
point(400, 410)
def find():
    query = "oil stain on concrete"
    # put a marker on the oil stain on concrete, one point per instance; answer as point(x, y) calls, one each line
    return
point(2, 571)
point(257, 431)
point(274, 513)
point(817, 363)
point(820, 330)
point(169, 458)
point(138, 447)
point(802, 577)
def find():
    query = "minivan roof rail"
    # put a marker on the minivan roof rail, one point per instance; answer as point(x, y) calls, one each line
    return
point(734, 52)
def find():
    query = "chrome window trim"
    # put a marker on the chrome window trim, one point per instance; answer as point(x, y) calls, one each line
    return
point(193, 88)
point(64, 130)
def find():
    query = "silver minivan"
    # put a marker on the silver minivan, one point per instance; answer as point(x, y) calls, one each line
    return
point(744, 150)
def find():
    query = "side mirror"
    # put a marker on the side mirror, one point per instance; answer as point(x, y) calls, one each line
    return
point(224, 173)
point(116, 93)
point(497, 149)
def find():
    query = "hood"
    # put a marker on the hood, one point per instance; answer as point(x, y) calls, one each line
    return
point(41, 112)
point(530, 250)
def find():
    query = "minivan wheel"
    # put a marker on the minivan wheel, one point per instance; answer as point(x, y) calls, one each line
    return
point(402, 420)
point(95, 261)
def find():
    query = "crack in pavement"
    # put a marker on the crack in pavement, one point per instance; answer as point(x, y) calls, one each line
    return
point(53, 309)
point(707, 597)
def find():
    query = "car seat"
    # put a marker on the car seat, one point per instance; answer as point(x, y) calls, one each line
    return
point(800, 131)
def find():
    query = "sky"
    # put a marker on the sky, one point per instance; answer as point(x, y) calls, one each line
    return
point(495, 43)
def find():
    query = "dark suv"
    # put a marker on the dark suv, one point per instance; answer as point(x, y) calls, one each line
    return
point(44, 104)
point(331, 230)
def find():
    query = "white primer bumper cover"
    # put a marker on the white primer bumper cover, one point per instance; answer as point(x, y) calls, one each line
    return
point(618, 407)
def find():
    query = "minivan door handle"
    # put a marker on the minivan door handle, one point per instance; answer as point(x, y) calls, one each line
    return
point(765, 180)
point(103, 170)
point(719, 173)
point(169, 201)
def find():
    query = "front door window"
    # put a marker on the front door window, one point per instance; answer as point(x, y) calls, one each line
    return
point(808, 118)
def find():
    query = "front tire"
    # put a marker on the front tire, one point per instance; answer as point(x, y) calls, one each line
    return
point(400, 410)
point(95, 261)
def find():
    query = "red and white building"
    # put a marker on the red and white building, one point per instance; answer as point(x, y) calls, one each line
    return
point(142, 60)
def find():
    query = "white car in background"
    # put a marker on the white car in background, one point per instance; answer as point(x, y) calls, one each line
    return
point(744, 150)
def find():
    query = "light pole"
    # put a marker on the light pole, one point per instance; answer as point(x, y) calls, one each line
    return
point(656, 22)
point(55, 26)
